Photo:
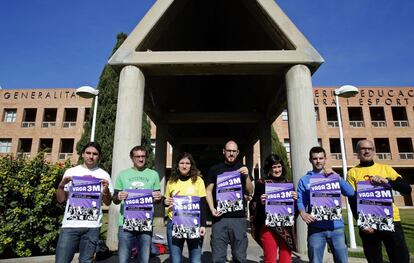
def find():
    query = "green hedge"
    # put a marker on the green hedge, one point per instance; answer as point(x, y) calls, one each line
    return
point(29, 213)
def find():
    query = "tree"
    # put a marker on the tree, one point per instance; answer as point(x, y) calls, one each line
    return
point(29, 213)
point(106, 115)
point(279, 149)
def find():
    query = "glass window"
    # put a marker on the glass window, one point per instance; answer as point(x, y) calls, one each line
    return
point(66, 145)
point(9, 115)
point(405, 148)
point(399, 114)
point(49, 118)
point(320, 142)
point(25, 147)
point(377, 117)
point(45, 145)
point(153, 144)
point(331, 117)
point(382, 148)
point(5, 145)
point(87, 114)
point(70, 117)
point(66, 148)
point(377, 113)
point(285, 115)
point(29, 115)
point(49, 115)
point(316, 113)
point(286, 143)
point(335, 148)
point(356, 117)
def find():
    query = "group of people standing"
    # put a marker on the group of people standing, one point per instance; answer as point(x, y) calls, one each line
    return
point(225, 192)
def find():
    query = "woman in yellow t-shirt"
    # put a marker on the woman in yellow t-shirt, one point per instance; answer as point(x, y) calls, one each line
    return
point(185, 182)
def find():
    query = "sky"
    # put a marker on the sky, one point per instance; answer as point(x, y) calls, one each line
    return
point(65, 44)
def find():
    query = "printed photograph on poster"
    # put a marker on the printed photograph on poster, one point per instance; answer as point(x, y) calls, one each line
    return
point(229, 193)
point(186, 217)
point(84, 199)
point(138, 209)
point(279, 204)
point(374, 206)
point(325, 197)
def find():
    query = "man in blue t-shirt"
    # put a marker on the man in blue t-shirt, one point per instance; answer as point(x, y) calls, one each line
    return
point(322, 231)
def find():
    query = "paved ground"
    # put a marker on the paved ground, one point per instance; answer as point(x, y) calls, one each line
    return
point(254, 254)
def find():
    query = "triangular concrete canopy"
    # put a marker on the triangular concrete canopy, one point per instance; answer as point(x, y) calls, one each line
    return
point(147, 45)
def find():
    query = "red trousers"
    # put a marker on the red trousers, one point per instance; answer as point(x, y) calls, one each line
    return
point(271, 242)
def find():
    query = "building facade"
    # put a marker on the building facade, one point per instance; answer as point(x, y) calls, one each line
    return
point(49, 120)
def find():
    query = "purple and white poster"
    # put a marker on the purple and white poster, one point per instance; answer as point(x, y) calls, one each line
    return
point(325, 197)
point(138, 209)
point(84, 199)
point(229, 192)
point(279, 204)
point(374, 206)
point(186, 217)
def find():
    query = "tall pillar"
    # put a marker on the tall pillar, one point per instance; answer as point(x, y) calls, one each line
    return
point(265, 139)
point(160, 164)
point(177, 149)
point(302, 132)
point(128, 132)
point(249, 159)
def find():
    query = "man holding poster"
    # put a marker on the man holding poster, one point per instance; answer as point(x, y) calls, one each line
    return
point(319, 196)
point(83, 186)
point(377, 215)
point(227, 184)
point(137, 188)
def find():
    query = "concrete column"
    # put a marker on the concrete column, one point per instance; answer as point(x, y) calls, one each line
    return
point(160, 164)
point(128, 130)
point(249, 159)
point(177, 149)
point(265, 139)
point(161, 152)
point(302, 132)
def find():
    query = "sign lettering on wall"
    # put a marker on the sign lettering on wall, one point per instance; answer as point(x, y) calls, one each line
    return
point(20, 95)
point(366, 97)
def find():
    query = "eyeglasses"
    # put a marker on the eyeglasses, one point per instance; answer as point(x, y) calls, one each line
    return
point(366, 149)
point(231, 151)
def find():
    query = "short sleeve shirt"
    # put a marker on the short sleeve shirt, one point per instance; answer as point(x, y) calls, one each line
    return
point(132, 178)
point(82, 171)
point(185, 188)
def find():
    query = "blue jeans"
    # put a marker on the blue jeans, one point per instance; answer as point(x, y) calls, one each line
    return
point(126, 240)
point(70, 239)
point(176, 246)
point(317, 239)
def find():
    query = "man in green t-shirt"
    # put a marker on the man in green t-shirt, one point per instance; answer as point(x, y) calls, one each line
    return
point(136, 177)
